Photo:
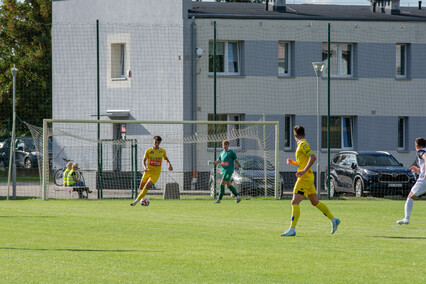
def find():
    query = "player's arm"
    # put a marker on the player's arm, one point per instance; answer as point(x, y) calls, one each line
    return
point(210, 162)
point(290, 161)
point(423, 156)
point(168, 163)
point(144, 164)
point(415, 167)
point(242, 172)
point(311, 161)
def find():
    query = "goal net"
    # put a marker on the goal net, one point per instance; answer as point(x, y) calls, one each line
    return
point(110, 156)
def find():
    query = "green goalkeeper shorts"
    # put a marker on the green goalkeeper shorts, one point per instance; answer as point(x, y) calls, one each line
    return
point(226, 175)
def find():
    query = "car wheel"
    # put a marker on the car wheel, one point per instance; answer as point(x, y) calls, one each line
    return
point(359, 188)
point(27, 163)
point(332, 188)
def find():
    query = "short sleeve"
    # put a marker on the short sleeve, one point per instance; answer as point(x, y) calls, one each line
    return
point(307, 149)
point(420, 154)
point(234, 155)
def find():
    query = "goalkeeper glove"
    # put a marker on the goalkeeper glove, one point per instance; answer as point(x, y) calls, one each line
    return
point(242, 172)
point(210, 162)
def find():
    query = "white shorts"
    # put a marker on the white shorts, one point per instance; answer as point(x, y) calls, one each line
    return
point(419, 187)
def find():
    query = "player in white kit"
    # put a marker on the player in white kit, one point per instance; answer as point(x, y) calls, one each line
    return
point(420, 186)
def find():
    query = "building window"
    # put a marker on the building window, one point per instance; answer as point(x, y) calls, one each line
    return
point(341, 59)
point(341, 132)
point(288, 134)
point(402, 128)
point(227, 57)
point(118, 60)
point(225, 131)
point(401, 60)
point(284, 58)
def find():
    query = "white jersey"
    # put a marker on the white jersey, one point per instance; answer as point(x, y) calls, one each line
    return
point(421, 162)
point(419, 187)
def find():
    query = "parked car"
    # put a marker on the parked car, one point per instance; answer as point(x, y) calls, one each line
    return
point(252, 183)
point(377, 173)
point(26, 154)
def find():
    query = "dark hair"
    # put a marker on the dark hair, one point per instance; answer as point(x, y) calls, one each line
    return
point(299, 131)
point(157, 138)
point(421, 142)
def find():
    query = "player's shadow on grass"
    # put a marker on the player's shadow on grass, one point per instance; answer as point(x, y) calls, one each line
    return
point(404, 238)
point(19, 198)
point(74, 250)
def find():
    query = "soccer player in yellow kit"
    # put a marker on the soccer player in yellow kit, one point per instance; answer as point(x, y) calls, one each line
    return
point(304, 185)
point(152, 161)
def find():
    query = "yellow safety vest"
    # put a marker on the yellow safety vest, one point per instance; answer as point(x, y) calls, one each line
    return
point(65, 177)
point(70, 179)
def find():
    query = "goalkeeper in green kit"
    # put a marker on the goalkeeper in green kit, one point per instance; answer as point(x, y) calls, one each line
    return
point(227, 158)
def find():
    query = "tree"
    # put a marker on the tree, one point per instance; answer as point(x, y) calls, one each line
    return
point(25, 33)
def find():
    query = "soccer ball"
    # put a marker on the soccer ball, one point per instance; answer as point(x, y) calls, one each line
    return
point(145, 202)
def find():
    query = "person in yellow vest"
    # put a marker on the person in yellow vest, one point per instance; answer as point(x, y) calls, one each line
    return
point(73, 177)
point(66, 172)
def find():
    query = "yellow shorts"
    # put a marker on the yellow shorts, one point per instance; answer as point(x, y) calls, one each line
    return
point(150, 176)
point(304, 187)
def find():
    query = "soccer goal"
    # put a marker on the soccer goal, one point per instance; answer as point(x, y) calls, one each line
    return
point(110, 155)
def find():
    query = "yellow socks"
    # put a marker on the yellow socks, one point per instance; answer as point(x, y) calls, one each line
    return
point(295, 214)
point(324, 209)
point(143, 193)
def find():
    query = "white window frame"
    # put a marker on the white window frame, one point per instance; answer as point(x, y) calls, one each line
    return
point(118, 56)
point(234, 144)
point(402, 122)
point(343, 133)
point(339, 62)
point(401, 60)
point(288, 131)
point(226, 71)
point(286, 58)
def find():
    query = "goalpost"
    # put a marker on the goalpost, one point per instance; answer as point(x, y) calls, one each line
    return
point(110, 156)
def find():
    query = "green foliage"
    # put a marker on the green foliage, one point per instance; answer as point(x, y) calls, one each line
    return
point(26, 43)
point(195, 241)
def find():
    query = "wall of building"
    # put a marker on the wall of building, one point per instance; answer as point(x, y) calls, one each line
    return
point(168, 12)
point(159, 87)
point(158, 42)
point(373, 96)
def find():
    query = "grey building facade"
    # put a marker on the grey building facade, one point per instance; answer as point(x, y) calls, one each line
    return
point(378, 81)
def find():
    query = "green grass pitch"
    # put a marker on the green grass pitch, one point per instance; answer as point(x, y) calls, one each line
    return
point(195, 241)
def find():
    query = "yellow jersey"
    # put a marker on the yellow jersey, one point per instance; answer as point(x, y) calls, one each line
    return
point(303, 152)
point(155, 158)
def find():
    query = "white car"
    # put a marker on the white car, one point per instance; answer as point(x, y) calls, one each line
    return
point(252, 183)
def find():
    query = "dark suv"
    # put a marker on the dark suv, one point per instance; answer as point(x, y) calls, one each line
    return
point(26, 154)
point(377, 173)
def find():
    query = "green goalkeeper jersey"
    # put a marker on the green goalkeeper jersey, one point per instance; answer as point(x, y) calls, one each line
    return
point(227, 159)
